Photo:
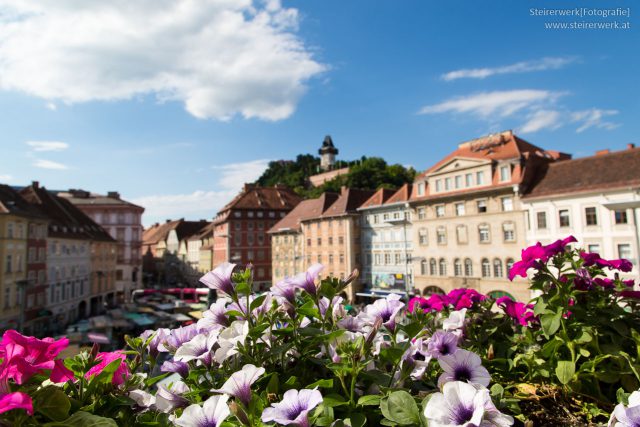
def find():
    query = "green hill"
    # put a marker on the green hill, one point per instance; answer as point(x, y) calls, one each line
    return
point(369, 173)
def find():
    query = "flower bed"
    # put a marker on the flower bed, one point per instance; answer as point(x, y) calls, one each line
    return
point(295, 356)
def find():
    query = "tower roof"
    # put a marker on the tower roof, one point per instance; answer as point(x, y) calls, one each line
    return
point(327, 146)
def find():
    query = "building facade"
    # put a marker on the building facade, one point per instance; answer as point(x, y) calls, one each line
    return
point(468, 221)
point(387, 246)
point(596, 199)
point(240, 228)
point(123, 221)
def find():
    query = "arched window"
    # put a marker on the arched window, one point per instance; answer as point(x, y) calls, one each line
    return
point(423, 267)
point(432, 267)
point(509, 264)
point(497, 267)
point(430, 290)
point(468, 267)
point(486, 268)
point(442, 267)
point(457, 267)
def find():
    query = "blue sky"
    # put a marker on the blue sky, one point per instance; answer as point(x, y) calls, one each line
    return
point(176, 103)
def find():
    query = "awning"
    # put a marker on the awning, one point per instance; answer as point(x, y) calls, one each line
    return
point(196, 314)
point(98, 338)
point(622, 204)
point(181, 317)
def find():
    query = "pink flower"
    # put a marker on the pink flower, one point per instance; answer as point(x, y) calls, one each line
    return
point(25, 356)
point(60, 373)
point(464, 298)
point(417, 303)
point(518, 311)
point(18, 400)
point(105, 359)
point(615, 264)
point(630, 294)
point(534, 255)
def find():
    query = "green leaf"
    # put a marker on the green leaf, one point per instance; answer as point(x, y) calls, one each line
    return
point(550, 322)
point(257, 302)
point(272, 385)
point(356, 420)
point(53, 403)
point(333, 400)
point(583, 338)
point(84, 419)
point(151, 381)
point(565, 371)
point(412, 329)
point(369, 400)
point(497, 391)
point(401, 408)
point(321, 383)
point(540, 308)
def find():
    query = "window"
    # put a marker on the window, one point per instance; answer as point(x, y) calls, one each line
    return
point(468, 180)
point(7, 297)
point(447, 184)
point(237, 214)
point(250, 214)
point(468, 267)
point(461, 234)
point(486, 268)
point(482, 206)
point(250, 225)
point(497, 267)
point(308, 242)
point(385, 217)
point(421, 189)
point(591, 216)
point(387, 259)
point(422, 214)
point(377, 259)
point(509, 232)
point(593, 248)
point(541, 220)
point(563, 218)
point(319, 258)
point(457, 267)
point(441, 234)
point(507, 204)
point(440, 211)
point(432, 266)
point(330, 258)
point(459, 209)
point(423, 267)
point(331, 240)
point(479, 178)
point(319, 241)
point(10, 230)
point(438, 185)
point(624, 251)
point(458, 181)
point(8, 264)
point(397, 258)
point(621, 217)
point(509, 264)
point(341, 240)
point(442, 266)
point(238, 226)
point(483, 232)
point(422, 237)
point(505, 173)
point(250, 239)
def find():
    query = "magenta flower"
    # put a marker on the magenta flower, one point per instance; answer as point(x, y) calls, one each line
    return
point(442, 343)
point(23, 356)
point(60, 373)
point(17, 400)
point(465, 366)
point(518, 311)
point(307, 280)
point(105, 359)
point(536, 255)
point(416, 303)
point(590, 259)
point(293, 409)
point(605, 282)
point(220, 278)
point(464, 298)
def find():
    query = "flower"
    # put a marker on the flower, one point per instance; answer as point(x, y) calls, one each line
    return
point(286, 289)
point(199, 348)
point(294, 408)
point(229, 339)
point(455, 321)
point(239, 383)
point(590, 259)
point(220, 278)
point(464, 298)
point(170, 397)
point(417, 302)
point(142, 398)
point(463, 365)
point(518, 311)
point(215, 317)
point(534, 256)
point(24, 356)
point(60, 373)
point(179, 336)
point(17, 400)
point(442, 343)
point(180, 368)
point(307, 280)
point(627, 416)
point(211, 414)
point(158, 337)
point(105, 359)
point(386, 309)
point(417, 358)
point(461, 404)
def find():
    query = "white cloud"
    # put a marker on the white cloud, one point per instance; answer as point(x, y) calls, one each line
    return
point(519, 67)
point(542, 119)
point(219, 57)
point(235, 175)
point(47, 145)
point(51, 106)
point(48, 164)
point(5, 178)
point(594, 117)
point(496, 103)
point(196, 205)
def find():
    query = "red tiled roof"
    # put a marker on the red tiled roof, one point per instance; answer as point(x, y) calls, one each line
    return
point(600, 172)
point(11, 202)
point(378, 198)
point(402, 195)
point(306, 209)
point(350, 199)
point(184, 229)
point(66, 220)
point(272, 198)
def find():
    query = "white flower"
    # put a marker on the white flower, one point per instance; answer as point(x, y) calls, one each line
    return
point(239, 384)
point(629, 416)
point(198, 348)
point(170, 398)
point(229, 339)
point(142, 398)
point(463, 365)
point(455, 321)
point(211, 414)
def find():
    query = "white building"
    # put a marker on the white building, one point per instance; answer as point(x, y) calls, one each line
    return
point(596, 199)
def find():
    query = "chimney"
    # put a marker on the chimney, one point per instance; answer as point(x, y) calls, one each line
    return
point(248, 187)
point(167, 221)
point(631, 146)
point(35, 184)
point(113, 195)
point(602, 152)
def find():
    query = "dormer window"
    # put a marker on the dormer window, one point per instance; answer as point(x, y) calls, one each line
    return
point(447, 184)
point(505, 173)
point(421, 189)
point(479, 178)
point(438, 185)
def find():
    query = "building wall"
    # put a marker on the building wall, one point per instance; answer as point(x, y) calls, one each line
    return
point(319, 179)
point(499, 250)
point(36, 291)
point(287, 255)
point(610, 239)
point(13, 270)
point(385, 241)
point(103, 275)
